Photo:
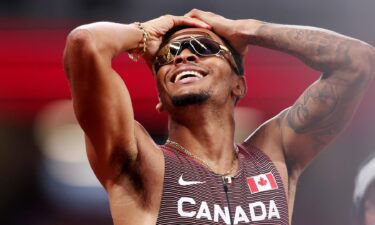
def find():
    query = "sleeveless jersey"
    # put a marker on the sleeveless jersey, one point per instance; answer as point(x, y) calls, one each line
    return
point(194, 195)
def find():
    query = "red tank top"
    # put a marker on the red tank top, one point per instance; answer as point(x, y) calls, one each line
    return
point(194, 195)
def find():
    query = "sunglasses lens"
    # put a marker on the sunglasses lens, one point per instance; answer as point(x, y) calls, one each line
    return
point(167, 53)
point(174, 48)
point(201, 46)
point(205, 46)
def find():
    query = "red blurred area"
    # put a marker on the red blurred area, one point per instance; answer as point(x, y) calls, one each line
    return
point(31, 75)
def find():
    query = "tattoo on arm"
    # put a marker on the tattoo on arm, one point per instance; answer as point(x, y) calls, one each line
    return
point(303, 116)
point(322, 111)
point(320, 114)
point(321, 49)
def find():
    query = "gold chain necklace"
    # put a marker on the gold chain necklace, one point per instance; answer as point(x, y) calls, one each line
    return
point(187, 152)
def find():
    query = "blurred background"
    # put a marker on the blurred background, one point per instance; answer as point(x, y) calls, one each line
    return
point(44, 175)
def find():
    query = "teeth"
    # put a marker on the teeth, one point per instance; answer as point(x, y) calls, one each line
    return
point(190, 72)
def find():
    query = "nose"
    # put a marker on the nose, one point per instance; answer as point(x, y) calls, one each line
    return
point(185, 56)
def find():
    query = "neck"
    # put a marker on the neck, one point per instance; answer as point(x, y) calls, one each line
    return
point(208, 134)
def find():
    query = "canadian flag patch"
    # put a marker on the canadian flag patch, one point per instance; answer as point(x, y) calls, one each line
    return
point(262, 182)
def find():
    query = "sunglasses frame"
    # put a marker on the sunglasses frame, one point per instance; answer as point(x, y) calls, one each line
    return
point(223, 50)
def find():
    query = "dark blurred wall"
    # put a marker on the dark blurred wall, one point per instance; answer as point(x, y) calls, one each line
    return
point(351, 17)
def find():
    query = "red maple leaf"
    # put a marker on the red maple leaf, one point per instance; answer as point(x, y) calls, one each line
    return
point(262, 181)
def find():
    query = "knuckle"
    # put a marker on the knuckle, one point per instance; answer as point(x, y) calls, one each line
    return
point(211, 13)
point(195, 11)
point(167, 16)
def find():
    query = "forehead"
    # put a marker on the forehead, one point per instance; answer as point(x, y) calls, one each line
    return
point(189, 32)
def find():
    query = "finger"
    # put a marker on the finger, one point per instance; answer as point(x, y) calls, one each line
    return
point(202, 15)
point(194, 13)
point(219, 24)
point(182, 20)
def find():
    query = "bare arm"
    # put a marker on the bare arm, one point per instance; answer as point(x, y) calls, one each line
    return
point(323, 110)
point(101, 100)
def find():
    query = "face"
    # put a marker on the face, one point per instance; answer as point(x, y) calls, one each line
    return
point(191, 78)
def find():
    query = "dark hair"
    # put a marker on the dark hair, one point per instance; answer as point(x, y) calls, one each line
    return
point(236, 55)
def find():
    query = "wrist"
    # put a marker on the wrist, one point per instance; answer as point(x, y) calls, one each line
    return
point(249, 29)
point(140, 49)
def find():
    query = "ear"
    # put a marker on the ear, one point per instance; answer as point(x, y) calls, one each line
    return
point(159, 107)
point(240, 88)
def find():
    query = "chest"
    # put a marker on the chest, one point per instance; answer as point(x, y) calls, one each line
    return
point(191, 194)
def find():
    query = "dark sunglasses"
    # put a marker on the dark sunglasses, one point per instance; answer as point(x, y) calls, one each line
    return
point(201, 45)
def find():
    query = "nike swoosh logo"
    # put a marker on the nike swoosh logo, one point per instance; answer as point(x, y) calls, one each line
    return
point(183, 182)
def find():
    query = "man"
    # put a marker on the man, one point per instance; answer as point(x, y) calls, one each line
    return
point(200, 176)
point(364, 194)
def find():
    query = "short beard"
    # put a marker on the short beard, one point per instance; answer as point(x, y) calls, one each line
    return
point(190, 99)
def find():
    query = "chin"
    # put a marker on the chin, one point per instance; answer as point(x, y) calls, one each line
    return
point(190, 99)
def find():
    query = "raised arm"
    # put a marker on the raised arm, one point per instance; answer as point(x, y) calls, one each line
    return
point(323, 110)
point(101, 100)
point(326, 107)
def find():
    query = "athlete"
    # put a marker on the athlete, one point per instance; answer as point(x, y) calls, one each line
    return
point(364, 193)
point(200, 176)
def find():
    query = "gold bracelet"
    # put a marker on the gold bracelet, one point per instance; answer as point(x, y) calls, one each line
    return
point(135, 55)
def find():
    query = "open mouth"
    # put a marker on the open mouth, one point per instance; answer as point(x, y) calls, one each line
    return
point(187, 76)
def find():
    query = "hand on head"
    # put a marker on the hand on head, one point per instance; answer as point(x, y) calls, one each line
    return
point(226, 28)
point(158, 27)
point(158, 30)
point(232, 30)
